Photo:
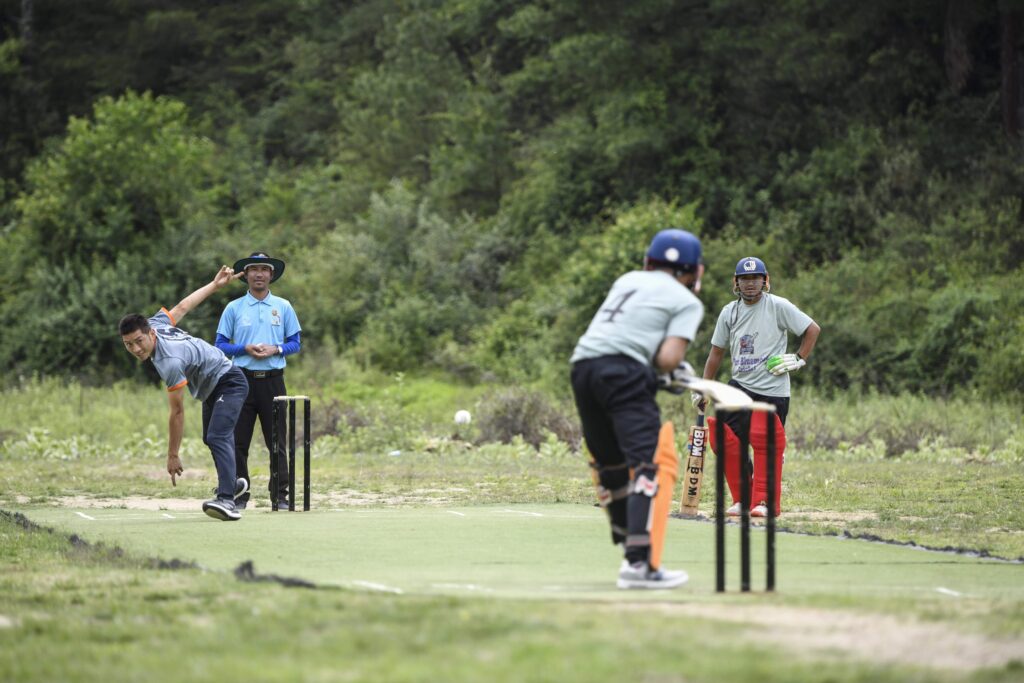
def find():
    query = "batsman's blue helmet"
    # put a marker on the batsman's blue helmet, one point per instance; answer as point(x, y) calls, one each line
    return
point(751, 265)
point(675, 248)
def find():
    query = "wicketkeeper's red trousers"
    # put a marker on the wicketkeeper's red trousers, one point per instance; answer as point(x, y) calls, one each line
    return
point(759, 443)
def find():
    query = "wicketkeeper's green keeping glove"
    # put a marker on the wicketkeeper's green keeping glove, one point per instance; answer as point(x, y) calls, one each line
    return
point(787, 362)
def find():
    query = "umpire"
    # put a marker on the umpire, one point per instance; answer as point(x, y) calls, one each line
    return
point(257, 331)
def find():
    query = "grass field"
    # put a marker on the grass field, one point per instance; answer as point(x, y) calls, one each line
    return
point(434, 556)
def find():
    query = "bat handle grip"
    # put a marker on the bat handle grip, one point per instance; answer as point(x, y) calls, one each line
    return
point(700, 418)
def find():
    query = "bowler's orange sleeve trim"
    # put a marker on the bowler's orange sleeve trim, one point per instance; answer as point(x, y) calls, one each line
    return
point(177, 386)
point(173, 321)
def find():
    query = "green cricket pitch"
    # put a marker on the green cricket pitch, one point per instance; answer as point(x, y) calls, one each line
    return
point(524, 551)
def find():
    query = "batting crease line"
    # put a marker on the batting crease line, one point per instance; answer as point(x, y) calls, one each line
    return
point(523, 512)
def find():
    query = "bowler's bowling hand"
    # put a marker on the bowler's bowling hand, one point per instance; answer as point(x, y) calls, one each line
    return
point(225, 275)
point(174, 468)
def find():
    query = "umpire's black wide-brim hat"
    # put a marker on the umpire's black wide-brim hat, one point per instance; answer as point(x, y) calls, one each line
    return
point(260, 258)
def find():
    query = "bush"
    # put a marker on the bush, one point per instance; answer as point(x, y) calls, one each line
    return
point(524, 413)
point(113, 222)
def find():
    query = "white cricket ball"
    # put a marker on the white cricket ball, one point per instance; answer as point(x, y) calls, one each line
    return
point(463, 417)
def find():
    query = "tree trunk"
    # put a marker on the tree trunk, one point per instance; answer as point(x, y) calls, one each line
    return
point(957, 54)
point(25, 22)
point(1010, 59)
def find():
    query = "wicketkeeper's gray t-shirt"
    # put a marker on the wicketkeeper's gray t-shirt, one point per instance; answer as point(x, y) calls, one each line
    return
point(755, 333)
point(642, 308)
point(182, 359)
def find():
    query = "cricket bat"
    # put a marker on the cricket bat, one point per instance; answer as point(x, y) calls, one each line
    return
point(693, 475)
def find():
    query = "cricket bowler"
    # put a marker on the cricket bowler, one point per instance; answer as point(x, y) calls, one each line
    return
point(184, 361)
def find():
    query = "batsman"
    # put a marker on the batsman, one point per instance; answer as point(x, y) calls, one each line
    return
point(755, 328)
point(642, 329)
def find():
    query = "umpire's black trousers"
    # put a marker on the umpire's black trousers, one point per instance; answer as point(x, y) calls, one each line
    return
point(263, 387)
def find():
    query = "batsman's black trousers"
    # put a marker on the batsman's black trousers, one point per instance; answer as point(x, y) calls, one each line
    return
point(615, 398)
point(260, 403)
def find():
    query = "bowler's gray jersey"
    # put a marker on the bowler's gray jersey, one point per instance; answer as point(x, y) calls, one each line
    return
point(182, 359)
point(753, 334)
point(642, 308)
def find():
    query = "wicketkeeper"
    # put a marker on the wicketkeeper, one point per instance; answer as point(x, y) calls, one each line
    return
point(755, 329)
point(642, 328)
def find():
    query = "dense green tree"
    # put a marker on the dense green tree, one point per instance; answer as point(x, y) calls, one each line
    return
point(113, 221)
point(446, 178)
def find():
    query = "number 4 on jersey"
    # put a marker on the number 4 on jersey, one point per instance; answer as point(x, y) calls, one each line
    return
point(612, 312)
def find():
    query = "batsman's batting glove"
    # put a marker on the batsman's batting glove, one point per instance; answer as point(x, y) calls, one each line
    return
point(787, 362)
point(672, 381)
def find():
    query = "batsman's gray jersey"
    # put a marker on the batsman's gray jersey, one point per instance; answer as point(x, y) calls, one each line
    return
point(753, 334)
point(182, 359)
point(642, 308)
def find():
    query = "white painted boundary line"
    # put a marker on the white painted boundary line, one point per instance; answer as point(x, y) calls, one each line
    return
point(453, 512)
point(85, 516)
point(472, 587)
point(948, 591)
point(378, 587)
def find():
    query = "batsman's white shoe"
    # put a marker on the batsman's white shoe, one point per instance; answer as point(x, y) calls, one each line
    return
point(641, 576)
point(734, 510)
point(759, 510)
point(222, 509)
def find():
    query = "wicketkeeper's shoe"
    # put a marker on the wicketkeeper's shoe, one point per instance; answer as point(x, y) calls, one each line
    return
point(241, 487)
point(759, 510)
point(734, 510)
point(641, 576)
point(222, 509)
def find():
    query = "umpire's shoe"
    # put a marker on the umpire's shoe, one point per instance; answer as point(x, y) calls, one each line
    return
point(639, 575)
point(222, 509)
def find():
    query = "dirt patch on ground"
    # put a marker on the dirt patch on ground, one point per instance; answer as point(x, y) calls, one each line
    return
point(354, 498)
point(828, 516)
point(869, 637)
point(131, 503)
point(335, 499)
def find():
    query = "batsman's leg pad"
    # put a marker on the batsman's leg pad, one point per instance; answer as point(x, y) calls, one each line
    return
point(613, 486)
point(731, 454)
point(666, 460)
point(643, 489)
point(759, 442)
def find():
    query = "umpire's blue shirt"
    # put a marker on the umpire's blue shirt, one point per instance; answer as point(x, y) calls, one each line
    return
point(250, 321)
